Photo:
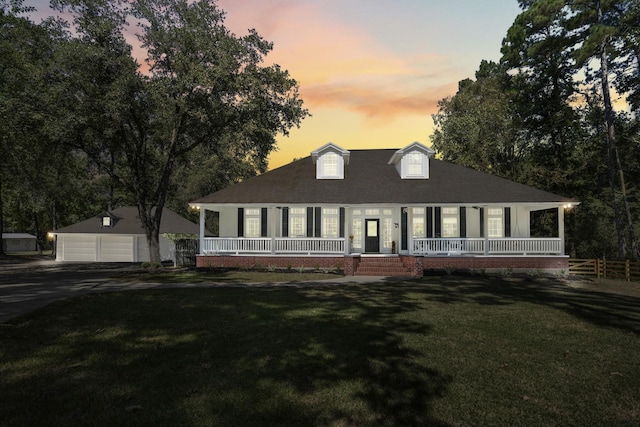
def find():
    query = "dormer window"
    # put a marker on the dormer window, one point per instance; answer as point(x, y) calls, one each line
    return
point(107, 222)
point(329, 165)
point(412, 162)
point(107, 219)
point(330, 161)
point(415, 162)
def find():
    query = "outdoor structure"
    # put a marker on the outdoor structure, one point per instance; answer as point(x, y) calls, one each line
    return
point(18, 242)
point(118, 236)
point(380, 212)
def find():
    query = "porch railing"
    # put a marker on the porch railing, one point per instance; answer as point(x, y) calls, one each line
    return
point(317, 245)
point(476, 246)
point(236, 245)
point(449, 246)
point(263, 245)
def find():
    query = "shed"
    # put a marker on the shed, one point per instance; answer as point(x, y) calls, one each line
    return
point(18, 242)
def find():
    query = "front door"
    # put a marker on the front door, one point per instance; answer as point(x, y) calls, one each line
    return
point(372, 236)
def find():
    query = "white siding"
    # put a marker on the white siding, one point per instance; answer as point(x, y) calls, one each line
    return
point(142, 250)
point(166, 249)
point(229, 222)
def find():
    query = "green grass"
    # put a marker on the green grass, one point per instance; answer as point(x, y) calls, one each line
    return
point(439, 351)
point(188, 275)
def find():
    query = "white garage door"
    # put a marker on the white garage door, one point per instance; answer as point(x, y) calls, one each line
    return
point(116, 249)
point(76, 248)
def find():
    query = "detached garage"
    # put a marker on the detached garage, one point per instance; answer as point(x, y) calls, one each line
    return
point(118, 236)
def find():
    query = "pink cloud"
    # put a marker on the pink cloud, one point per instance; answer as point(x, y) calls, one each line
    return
point(340, 65)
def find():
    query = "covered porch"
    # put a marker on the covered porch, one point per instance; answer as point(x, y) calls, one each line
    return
point(342, 237)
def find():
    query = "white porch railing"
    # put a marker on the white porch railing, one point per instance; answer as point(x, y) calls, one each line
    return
point(236, 245)
point(526, 246)
point(309, 246)
point(511, 246)
point(263, 245)
point(451, 246)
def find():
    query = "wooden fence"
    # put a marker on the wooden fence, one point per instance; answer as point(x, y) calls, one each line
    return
point(602, 268)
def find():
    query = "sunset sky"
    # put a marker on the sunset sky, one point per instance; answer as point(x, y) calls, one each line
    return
point(370, 71)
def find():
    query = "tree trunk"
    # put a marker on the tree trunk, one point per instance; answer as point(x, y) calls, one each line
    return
point(1, 218)
point(615, 168)
point(150, 217)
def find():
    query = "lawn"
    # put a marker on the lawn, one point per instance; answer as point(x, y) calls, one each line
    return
point(436, 351)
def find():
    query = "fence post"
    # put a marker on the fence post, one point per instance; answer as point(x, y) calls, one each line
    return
point(597, 267)
point(627, 273)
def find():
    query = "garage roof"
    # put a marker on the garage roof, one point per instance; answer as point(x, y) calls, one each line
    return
point(126, 221)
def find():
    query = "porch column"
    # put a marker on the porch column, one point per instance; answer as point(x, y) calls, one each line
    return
point(347, 230)
point(201, 243)
point(561, 228)
point(273, 229)
point(485, 227)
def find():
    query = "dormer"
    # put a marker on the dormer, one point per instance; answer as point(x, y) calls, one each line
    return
point(330, 161)
point(107, 220)
point(412, 161)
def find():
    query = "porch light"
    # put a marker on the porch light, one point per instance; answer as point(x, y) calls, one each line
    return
point(568, 206)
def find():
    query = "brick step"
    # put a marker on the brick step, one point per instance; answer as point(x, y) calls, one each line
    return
point(382, 264)
point(391, 266)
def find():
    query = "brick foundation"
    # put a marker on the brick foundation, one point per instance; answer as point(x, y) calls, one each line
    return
point(497, 263)
point(249, 261)
point(415, 264)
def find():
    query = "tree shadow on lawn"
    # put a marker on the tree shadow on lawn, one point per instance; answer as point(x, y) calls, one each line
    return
point(599, 308)
point(269, 356)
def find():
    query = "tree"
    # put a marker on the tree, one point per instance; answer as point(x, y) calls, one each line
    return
point(205, 87)
point(475, 127)
point(561, 38)
point(24, 49)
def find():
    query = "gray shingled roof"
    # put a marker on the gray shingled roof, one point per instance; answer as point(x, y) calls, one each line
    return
point(368, 179)
point(126, 221)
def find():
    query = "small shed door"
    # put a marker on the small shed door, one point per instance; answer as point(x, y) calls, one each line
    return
point(372, 236)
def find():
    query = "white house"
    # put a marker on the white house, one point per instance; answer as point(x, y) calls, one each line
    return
point(118, 236)
point(380, 212)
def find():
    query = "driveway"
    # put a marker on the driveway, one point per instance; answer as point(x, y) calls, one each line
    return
point(26, 284)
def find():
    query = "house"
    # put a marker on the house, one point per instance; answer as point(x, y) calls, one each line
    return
point(118, 236)
point(18, 242)
point(380, 212)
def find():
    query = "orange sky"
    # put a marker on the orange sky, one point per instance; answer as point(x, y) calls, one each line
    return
point(371, 71)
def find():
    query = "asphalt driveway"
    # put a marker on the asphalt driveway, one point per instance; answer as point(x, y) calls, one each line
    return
point(26, 284)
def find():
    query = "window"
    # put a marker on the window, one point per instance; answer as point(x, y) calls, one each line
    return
point(494, 219)
point(106, 221)
point(252, 222)
point(357, 232)
point(450, 222)
point(330, 164)
point(387, 232)
point(298, 222)
point(414, 164)
point(330, 222)
point(418, 222)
